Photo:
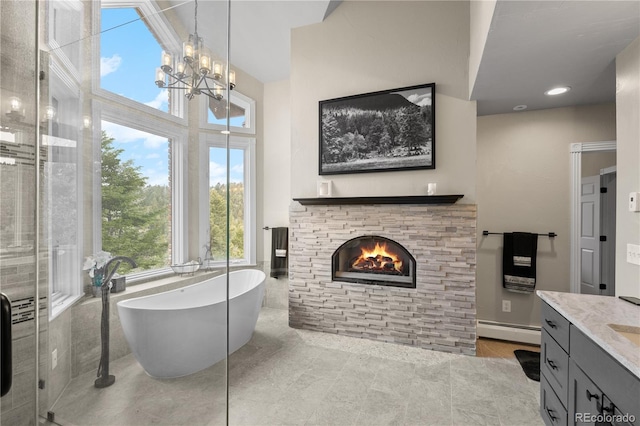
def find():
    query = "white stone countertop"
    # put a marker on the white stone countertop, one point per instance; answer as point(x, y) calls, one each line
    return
point(591, 314)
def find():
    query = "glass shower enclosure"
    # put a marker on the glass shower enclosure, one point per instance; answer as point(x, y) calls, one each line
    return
point(96, 155)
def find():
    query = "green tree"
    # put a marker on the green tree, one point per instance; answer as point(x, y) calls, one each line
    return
point(218, 220)
point(135, 222)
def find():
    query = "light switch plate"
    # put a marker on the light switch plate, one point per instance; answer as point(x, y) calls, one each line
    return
point(633, 254)
point(634, 203)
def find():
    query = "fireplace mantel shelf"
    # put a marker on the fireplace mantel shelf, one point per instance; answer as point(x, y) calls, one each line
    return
point(402, 199)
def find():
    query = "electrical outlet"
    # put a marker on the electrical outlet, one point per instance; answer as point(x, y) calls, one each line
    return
point(633, 254)
point(54, 359)
point(506, 306)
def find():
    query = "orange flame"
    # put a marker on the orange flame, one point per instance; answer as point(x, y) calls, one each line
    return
point(377, 258)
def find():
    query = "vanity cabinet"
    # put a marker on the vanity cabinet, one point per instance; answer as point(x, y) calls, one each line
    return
point(580, 381)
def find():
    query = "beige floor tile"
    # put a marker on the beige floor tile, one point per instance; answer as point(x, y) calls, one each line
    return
point(286, 376)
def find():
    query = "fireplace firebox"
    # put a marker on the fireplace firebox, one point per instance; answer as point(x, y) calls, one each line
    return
point(372, 259)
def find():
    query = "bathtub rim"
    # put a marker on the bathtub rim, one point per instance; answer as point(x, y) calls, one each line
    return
point(123, 303)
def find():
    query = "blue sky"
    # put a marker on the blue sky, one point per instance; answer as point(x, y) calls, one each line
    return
point(129, 56)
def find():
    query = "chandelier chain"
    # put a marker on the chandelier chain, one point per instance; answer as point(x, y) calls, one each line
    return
point(195, 18)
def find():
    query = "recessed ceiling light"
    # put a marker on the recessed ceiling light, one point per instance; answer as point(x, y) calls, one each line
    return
point(519, 107)
point(557, 90)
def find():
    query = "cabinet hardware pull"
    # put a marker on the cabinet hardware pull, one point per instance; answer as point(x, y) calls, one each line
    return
point(551, 323)
point(551, 416)
point(552, 364)
point(592, 395)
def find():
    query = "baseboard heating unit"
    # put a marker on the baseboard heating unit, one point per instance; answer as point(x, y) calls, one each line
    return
point(512, 332)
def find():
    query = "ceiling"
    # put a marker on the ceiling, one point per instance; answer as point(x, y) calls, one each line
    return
point(260, 30)
point(531, 47)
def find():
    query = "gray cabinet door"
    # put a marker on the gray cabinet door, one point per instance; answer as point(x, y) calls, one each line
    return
point(584, 397)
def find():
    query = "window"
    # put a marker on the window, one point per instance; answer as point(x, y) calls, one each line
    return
point(139, 205)
point(241, 117)
point(136, 197)
point(65, 25)
point(130, 50)
point(241, 195)
point(62, 183)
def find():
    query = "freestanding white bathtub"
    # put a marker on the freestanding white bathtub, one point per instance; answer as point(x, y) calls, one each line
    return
point(180, 332)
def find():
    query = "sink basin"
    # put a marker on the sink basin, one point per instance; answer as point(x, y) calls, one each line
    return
point(630, 332)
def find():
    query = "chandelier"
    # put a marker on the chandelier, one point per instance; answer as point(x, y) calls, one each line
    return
point(197, 73)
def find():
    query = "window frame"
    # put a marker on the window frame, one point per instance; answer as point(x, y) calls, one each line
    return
point(178, 138)
point(167, 38)
point(248, 145)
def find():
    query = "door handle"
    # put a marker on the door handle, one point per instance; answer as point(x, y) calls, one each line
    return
point(6, 352)
point(592, 395)
point(552, 364)
point(550, 414)
point(551, 324)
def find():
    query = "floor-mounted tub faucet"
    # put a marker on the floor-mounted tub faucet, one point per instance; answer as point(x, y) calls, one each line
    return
point(104, 379)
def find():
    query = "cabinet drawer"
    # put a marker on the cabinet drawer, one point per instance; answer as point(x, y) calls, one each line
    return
point(556, 325)
point(554, 363)
point(552, 411)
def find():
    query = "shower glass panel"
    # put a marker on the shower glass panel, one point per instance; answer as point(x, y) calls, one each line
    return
point(18, 196)
point(119, 175)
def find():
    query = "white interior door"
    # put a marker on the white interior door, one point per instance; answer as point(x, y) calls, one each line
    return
point(590, 235)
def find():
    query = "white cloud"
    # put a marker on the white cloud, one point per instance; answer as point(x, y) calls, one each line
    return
point(238, 168)
point(110, 65)
point(217, 173)
point(156, 177)
point(122, 134)
point(152, 156)
point(160, 100)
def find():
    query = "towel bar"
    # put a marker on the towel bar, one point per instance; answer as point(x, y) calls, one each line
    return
point(548, 234)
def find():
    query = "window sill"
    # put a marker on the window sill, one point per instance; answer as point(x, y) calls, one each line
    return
point(61, 303)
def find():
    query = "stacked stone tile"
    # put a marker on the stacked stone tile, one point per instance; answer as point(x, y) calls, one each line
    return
point(440, 313)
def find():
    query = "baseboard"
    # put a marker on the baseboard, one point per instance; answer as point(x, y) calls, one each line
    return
point(511, 332)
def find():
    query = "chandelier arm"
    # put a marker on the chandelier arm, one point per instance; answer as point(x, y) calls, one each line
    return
point(178, 80)
point(206, 82)
point(216, 82)
point(200, 80)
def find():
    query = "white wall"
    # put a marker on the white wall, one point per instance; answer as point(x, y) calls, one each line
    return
point(276, 167)
point(365, 46)
point(628, 159)
point(480, 23)
point(523, 184)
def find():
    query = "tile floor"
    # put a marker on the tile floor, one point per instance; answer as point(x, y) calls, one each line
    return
point(295, 377)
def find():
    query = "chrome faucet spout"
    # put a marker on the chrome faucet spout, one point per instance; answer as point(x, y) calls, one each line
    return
point(118, 259)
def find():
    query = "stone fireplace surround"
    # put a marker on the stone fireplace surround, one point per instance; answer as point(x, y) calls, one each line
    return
point(439, 314)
